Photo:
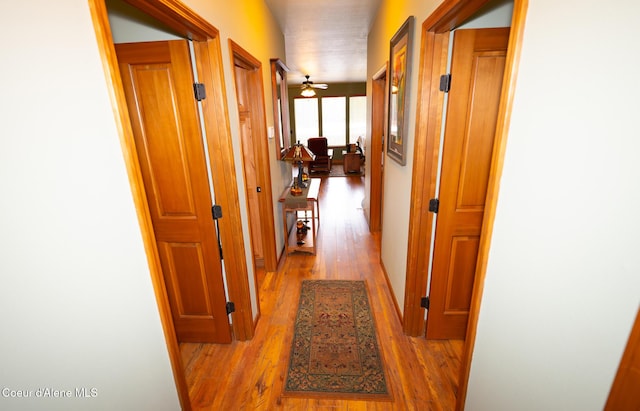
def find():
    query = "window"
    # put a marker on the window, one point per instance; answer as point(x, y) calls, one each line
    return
point(341, 118)
point(357, 118)
point(306, 113)
point(334, 120)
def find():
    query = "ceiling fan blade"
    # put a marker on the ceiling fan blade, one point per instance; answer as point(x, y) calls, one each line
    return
point(309, 84)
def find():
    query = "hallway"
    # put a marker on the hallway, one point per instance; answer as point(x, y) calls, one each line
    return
point(249, 375)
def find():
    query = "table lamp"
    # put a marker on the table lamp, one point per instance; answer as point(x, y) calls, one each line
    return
point(298, 154)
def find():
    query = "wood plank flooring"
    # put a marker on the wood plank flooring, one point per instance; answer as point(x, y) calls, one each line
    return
point(249, 375)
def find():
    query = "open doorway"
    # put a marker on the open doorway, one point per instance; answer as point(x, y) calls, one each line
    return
point(430, 145)
point(376, 152)
point(255, 154)
point(158, 78)
point(477, 69)
point(206, 46)
point(435, 40)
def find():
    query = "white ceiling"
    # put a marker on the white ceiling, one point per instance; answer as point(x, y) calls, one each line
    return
point(326, 39)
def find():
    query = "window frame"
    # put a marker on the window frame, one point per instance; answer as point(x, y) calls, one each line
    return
point(319, 96)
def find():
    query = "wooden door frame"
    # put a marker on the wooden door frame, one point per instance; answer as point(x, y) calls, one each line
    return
point(620, 383)
point(260, 152)
point(209, 66)
point(378, 130)
point(433, 59)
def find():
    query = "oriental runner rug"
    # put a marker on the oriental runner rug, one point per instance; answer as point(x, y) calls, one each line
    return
point(335, 350)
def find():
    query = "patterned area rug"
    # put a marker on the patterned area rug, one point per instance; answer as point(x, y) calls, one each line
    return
point(335, 349)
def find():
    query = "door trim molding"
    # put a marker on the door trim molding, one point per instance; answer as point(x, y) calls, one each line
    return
point(379, 87)
point(115, 88)
point(497, 163)
point(208, 55)
point(619, 391)
point(261, 154)
point(433, 50)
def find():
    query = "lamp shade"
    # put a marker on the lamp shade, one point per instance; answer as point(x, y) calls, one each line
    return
point(308, 92)
point(299, 153)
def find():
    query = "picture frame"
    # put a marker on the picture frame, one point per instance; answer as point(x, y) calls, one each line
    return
point(400, 55)
point(280, 101)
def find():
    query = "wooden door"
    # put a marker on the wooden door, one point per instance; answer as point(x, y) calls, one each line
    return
point(255, 153)
point(158, 85)
point(477, 69)
point(376, 150)
point(625, 391)
point(248, 156)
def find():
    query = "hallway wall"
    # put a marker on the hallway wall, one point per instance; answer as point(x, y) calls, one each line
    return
point(75, 290)
point(397, 179)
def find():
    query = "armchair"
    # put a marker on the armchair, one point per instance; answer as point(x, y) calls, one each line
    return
point(324, 155)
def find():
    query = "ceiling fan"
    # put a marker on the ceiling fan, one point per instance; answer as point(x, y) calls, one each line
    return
point(308, 86)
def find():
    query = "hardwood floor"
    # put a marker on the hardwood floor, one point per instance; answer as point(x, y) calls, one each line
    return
point(249, 375)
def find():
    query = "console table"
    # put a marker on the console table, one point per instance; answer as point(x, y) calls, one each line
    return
point(307, 203)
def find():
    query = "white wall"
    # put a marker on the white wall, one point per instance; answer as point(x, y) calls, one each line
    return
point(496, 13)
point(130, 25)
point(563, 279)
point(75, 290)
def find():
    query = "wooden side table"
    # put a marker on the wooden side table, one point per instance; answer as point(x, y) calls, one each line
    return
point(308, 204)
point(351, 163)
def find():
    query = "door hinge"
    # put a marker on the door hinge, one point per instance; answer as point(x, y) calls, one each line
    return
point(216, 213)
point(434, 205)
point(445, 82)
point(231, 308)
point(424, 303)
point(199, 92)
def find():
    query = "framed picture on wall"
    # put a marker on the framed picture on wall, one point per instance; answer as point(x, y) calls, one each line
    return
point(280, 100)
point(400, 67)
